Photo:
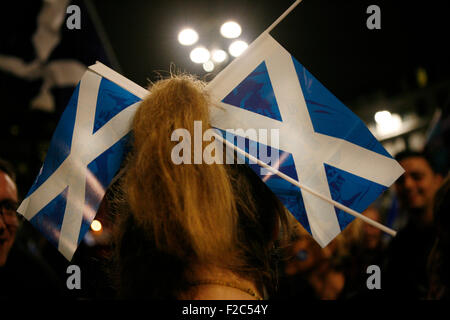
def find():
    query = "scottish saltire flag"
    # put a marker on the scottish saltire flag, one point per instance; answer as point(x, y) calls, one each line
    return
point(322, 144)
point(85, 153)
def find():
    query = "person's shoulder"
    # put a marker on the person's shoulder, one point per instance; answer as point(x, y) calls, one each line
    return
point(219, 292)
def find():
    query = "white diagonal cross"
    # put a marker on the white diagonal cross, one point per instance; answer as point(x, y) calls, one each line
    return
point(73, 172)
point(309, 149)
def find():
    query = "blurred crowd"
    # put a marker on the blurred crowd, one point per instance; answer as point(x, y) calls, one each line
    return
point(413, 264)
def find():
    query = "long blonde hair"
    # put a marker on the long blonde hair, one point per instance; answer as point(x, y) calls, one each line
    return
point(175, 217)
point(182, 205)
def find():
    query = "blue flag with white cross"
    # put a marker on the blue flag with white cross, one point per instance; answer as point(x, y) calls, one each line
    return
point(321, 143)
point(85, 153)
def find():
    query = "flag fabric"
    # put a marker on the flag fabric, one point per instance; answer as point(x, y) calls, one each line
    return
point(322, 144)
point(85, 153)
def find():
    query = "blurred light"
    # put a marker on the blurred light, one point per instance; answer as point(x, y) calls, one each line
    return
point(416, 141)
point(208, 66)
point(388, 123)
point(200, 55)
point(237, 47)
point(382, 116)
point(219, 56)
point(96, 226)
point(230, 30)
point(422, 77)
point(187, 37)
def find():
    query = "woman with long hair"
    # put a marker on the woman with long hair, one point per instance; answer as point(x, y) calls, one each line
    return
point(190, 231)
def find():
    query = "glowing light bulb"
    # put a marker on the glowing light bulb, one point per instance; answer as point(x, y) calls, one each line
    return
point(208, 66)
point(96, 226)
point(382, 116)
point(230, 30)
point(388, 123)
point(187, 37)
point(219, 56)
point(237, 47)
point(200, 55)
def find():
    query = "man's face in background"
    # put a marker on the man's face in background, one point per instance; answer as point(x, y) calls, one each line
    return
point(419, 183)
point(8, 222)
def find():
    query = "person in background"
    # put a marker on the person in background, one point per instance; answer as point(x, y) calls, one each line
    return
point(405, 269)
point(23, 272)
point(312, 272)
point(9, 221)
point(365, 248)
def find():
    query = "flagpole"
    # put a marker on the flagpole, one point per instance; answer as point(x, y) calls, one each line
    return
point(276, 22)
point(303, 187)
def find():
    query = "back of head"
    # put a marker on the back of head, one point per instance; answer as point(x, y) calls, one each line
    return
point(407, 153)
point(181, 205)
point(174, 218)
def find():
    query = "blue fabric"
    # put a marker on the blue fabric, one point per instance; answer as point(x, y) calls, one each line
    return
point(49, 220)
point(255, 93)
point(104, 168)
point(331, 117)
point(352, 191)
point(111, 100)
point(289, 194)
point(60, 143)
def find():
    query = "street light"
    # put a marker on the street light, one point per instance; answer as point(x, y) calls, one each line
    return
point(187, 37)
point(230, 30)
point(237, 47)
point(219, 56)
point(200, 55)
point(387, 123)
point(96, 225)
point(208, 66)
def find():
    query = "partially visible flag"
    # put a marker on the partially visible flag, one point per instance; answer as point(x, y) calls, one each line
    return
point(85, 154)
point(322, 144)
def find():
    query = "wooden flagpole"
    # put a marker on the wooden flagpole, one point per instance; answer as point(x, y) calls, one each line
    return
point(276, 22)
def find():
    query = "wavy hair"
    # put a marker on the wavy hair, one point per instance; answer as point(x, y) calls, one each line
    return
point(173, 218)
